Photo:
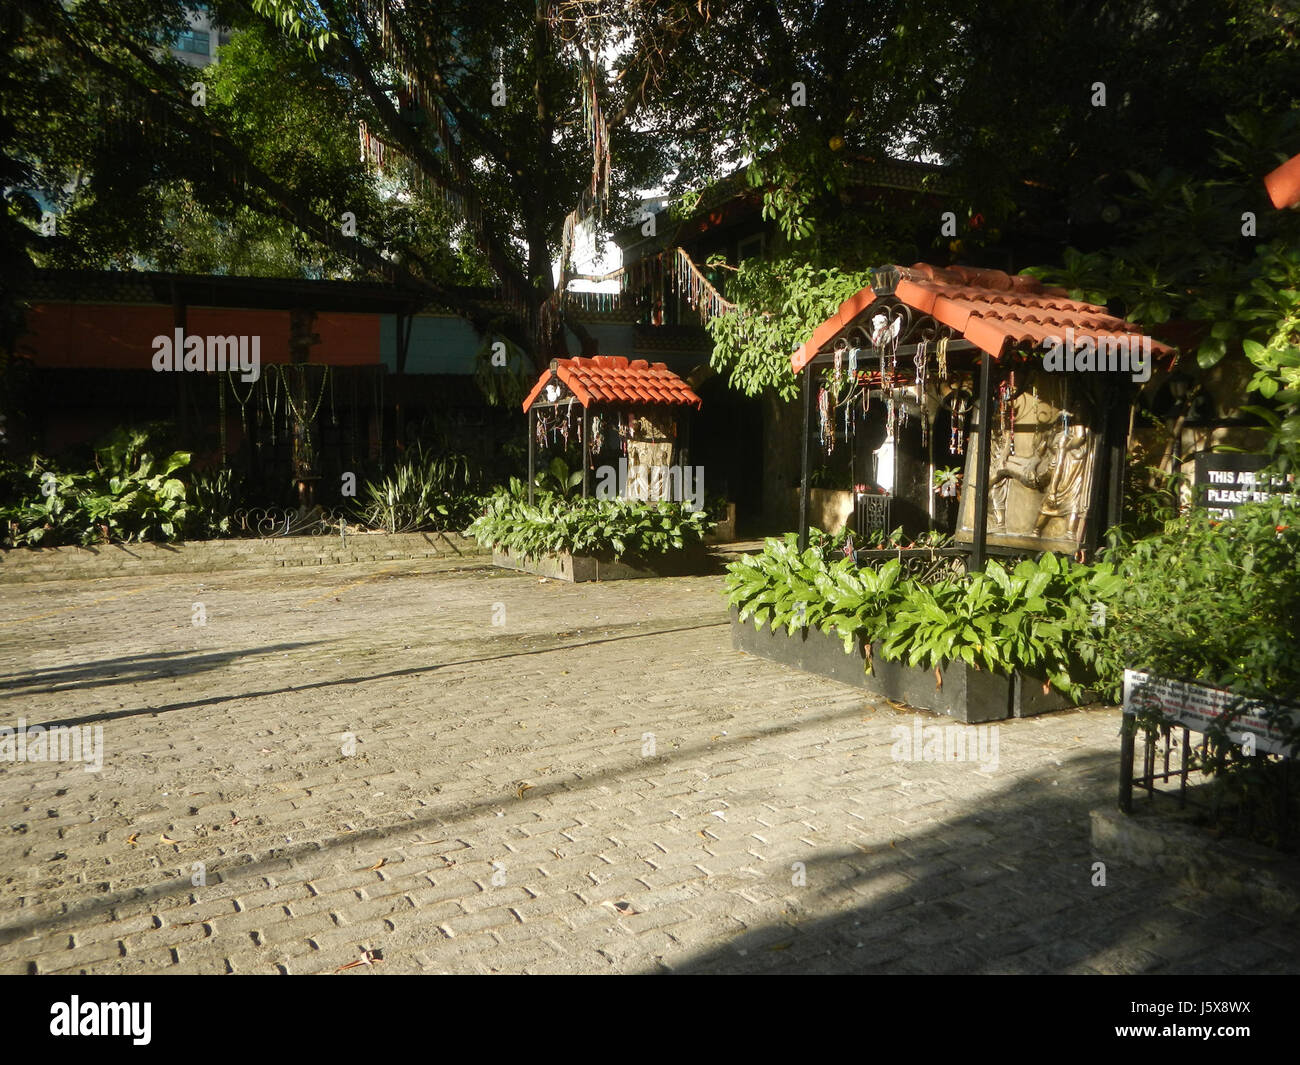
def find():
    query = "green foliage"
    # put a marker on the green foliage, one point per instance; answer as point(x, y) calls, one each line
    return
point(879, 540)
point(1217, 603)
point(1213, 603)
point(214, 497)
point(558, 480)
point(1028, 618)
point(132, 494)
point(779, 304)
point(424, 491)
point(1277, 378)
point(1181, 250)
point(614, 527)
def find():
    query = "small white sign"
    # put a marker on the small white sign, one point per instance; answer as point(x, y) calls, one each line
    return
point(1198, 707)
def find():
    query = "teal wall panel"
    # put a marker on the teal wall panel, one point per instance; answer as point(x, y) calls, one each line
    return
point(442, 345)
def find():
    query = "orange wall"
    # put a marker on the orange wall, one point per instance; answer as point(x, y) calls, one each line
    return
point(121, 336)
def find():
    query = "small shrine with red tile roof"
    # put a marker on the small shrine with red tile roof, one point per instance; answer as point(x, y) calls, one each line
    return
point(928, 370)
point(627, 412)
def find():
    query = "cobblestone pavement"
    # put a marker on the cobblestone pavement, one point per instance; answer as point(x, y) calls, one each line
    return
point(596, 782)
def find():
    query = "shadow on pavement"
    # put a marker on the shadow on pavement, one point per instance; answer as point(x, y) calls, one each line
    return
point(130, 669)
point(1006, 888)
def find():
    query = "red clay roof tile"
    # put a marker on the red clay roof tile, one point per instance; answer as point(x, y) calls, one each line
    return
point(989, 308)
point(1283, 184)
point(613, 379)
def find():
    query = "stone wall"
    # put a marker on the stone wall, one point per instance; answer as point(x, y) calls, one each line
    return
point(119, 560)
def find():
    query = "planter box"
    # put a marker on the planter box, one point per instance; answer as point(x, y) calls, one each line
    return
point(968, 695)
point(1028, 697)
point(829, 509)
point(564, 566)
point(724, 532)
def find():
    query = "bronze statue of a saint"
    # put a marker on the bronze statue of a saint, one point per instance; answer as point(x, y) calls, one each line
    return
point(1065, 489)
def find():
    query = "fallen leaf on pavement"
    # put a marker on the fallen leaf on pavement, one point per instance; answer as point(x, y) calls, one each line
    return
point(133, 839)
point(377, 865)
point(368, 957)
point(521, 789)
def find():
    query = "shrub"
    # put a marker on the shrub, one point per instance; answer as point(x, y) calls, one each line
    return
point(1025, 618)
point(131, 494)
point(1211, 602)
point(425, 491)
point(614, 527)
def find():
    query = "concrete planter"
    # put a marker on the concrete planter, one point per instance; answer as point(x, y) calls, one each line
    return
point(1028, 697)
point(564, 566)
point(966, 694)
point(829, 509)
point(724, 532)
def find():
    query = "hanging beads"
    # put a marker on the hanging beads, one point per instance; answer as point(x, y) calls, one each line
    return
point(825, 426)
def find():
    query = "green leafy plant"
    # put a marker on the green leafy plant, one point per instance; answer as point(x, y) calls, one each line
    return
point(215, 496)
point(1029, 618)
point(1277, 379)
point(615, 527)
point(1210, 602)
point(1216, 603)
point(424, 491)
point(558, 479)
point(779, 304)
point(131, 494)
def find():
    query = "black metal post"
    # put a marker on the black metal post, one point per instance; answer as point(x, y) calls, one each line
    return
point(1128, 730)
point(803, 480)
point(983, 461)
point(1117, 426)
point(532, 452)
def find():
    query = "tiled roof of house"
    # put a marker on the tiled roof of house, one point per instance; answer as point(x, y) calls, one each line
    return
point(991, 309)
point(613, 379)
point(1283, 184)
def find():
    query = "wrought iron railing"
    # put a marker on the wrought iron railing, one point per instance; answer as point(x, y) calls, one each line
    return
point(271, 522)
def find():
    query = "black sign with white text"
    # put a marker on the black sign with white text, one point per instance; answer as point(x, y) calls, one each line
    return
point(1224, 481)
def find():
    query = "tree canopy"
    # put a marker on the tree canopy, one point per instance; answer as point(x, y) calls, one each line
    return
point(456, 144)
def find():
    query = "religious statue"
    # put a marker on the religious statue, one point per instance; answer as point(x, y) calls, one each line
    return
point(1065, 497)
point(1031, 470)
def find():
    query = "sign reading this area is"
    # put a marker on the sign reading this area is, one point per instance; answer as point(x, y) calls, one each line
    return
point(1224, 481)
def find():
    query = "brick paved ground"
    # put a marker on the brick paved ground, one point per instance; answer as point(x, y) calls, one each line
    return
point(504, 810)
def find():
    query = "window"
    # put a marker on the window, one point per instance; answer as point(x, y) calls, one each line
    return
point(195, 41)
